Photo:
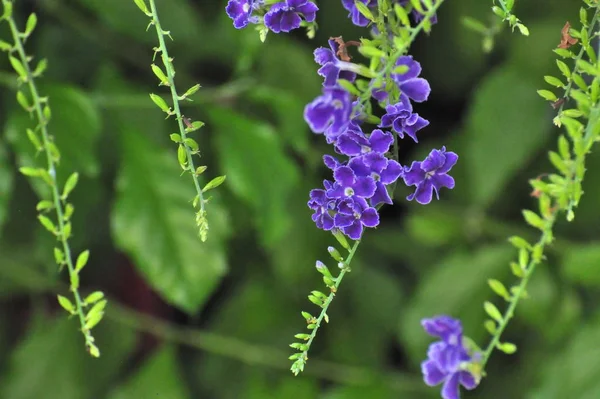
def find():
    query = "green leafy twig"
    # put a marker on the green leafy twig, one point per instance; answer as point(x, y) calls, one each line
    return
point(322, 300)
point(187, 146)
point(505, 12)
point(40, 107)
point(396, 20)
point(563, 190)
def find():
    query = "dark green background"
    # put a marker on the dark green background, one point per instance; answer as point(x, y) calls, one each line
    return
point(230, 307)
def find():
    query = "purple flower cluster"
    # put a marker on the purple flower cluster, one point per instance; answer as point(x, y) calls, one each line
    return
point(283, 16)
point(448, 359)
point(360, 183)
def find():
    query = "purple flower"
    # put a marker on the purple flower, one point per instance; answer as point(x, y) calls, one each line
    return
point(333, 68)
point(348, 185)
point(444, 327)
point(322, 207)
point(329, 113)
point(357, 18)
point(240, 11)
point(383, 171)
point(353, 215)
point(447, 360)
point(354, 142)
point(430, 175)
point(285, 16)
point(411, 86)
point(402, 120)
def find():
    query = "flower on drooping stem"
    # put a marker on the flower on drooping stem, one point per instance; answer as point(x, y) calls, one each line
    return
point(332, 68)
point(240, 11)
point(287, 15)
point(402, 120)
point(430, 175)
point(448, 360)
point(329, 113)
point(353, 215)
point(411, 86)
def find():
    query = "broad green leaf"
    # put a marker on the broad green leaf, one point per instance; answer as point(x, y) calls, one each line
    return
point(258, 170)
point(456, 287)
point(75, 126)
point(53, 355)
point(6, 182)
point(501, 136)
point(159, 377)
point(21, 274)
point(580, 264)
point(153, 222)
point(574, 372)
point(289, 110)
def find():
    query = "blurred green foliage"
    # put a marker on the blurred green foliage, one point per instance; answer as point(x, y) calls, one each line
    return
point(224, 311)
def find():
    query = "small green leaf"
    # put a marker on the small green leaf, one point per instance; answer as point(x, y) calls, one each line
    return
point(40, 67)
point(142, 6)
point(216, 182)
point(160, 75)
point(191, 91)
point(192, 144)
point(44, 205)
point(364, 10)
point(551, 80)
point(23, 102)
point(93, 297)
point(547, 95)
point(194, 126)
point(66, 304)
point(507, 347)
point(47, 223)
point(59, 256)
point(70, 184)
point(82, 260)
point(30, 25)
point(533, 219)
point(519, 242)
point(490, 326)
point(182, 156)
point(30, 172)
point(18, 67)
point(499, 289)
point(4, 46)
point(158, 100)
point(492, 311)
point(564, 69)
point(175, 137)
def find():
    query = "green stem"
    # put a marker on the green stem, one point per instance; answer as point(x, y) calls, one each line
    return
point(391, 61)
point(577, 58)
point(52, 172)
point(508, 314)
point(171, 78)
point(329, 299)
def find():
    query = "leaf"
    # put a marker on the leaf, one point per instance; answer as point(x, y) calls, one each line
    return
point(153, 222)
point(500, 136)
point(53, 355)
point(159, 377)
point(574, 372)
point(75, 125)
point(6, 184)
point(250, 152)
point(580, 264)
point(459, 284)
